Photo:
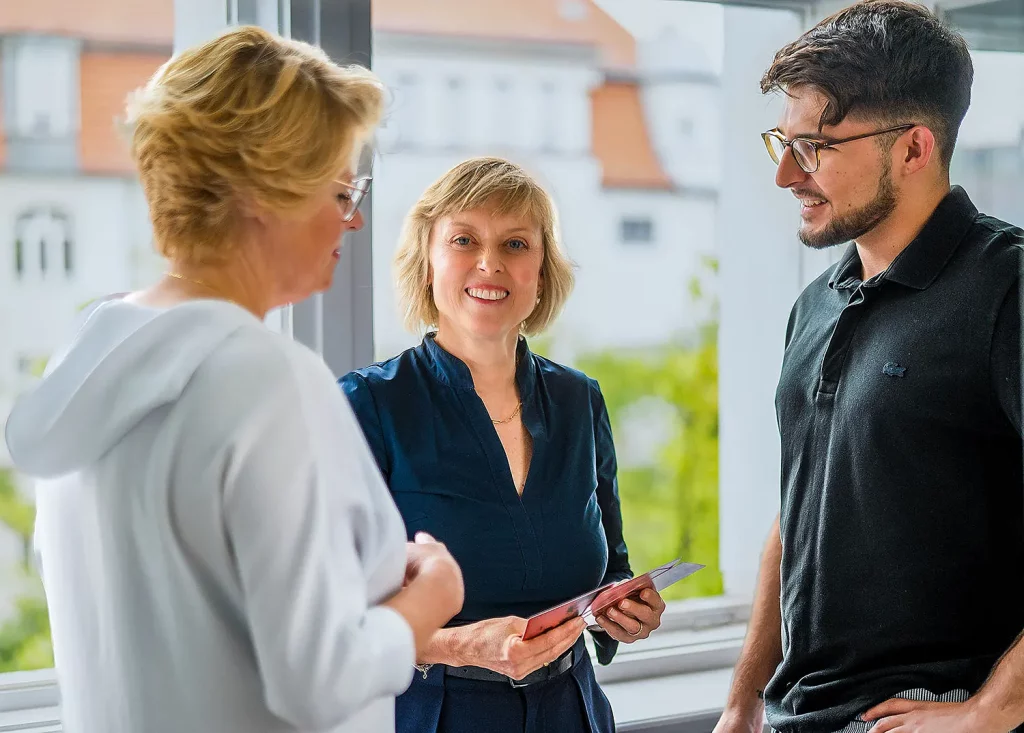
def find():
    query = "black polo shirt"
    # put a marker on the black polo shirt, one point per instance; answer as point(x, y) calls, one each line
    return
point(899, 408)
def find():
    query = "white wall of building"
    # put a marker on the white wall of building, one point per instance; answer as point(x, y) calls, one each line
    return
point(475, 97)
point(682, 104)
point(107, 228)
point(637, 294)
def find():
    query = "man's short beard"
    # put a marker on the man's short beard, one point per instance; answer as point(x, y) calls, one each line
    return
point(848, 227)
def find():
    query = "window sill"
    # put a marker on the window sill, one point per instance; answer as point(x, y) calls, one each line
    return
point(676, 680)
point(690, 702)
point(29, 702)
point(695, 636)
point(39, 720)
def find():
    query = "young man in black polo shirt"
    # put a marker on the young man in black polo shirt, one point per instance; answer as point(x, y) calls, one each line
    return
point(899, 555)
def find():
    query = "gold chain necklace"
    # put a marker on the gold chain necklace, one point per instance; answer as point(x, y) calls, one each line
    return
point(177, 276)
point(509, 418)
point(206, 285)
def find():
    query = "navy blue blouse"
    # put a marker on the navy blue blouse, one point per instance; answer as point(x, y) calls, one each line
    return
point(447, 470)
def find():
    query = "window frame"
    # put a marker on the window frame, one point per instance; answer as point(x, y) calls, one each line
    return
point(30, 150)
point(51, 258)
point(62, 114)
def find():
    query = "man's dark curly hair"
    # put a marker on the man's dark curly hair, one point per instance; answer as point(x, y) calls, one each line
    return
point(886, 60)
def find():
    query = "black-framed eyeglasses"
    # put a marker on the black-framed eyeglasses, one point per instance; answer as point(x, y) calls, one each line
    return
point(806, 152)
point(359, 187)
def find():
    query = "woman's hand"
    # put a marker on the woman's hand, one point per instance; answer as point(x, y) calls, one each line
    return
point(634, 617)
point(429, 560)
point(497, 644)
point(432, 591)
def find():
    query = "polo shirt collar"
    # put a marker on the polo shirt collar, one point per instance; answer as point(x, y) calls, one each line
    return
point(920, 263)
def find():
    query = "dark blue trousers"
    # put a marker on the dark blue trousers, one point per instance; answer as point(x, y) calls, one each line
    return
point(570, 703)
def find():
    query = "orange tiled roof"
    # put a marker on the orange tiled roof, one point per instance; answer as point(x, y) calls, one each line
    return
point(142, 22)
point(107, 79)
point(621, 140)
point(533, 20)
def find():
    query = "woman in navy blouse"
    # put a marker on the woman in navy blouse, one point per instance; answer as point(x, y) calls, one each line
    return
point(504, 456)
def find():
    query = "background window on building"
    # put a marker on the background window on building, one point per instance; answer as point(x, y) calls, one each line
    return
point(402, 124)
point(46, 232)
point(637, 230)
point(69, 263)
point(44, 86)
point(550, 115)
point(505, 123)
point(19, 257)
point(458, 115)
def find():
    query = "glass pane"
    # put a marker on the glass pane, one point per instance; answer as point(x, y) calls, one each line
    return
point(989, 157)
point(73, 226)
point(616, 107)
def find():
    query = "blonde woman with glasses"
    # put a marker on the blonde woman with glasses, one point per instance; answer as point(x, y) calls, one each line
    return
point(218, 549)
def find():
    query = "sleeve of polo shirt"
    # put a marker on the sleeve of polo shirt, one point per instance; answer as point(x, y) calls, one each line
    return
point(1007, 362)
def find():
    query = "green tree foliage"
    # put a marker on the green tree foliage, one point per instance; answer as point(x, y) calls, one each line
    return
point(25, 635)
point(16, 513)
point(669, 507)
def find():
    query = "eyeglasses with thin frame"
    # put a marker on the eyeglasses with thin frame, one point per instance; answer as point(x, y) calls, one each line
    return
point(358, 188)
point(807, 152)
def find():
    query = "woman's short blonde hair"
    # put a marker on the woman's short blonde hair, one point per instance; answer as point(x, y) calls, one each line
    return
point(493, 183)
point(248, 118)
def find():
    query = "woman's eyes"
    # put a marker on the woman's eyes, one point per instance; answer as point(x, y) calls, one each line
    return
point(513, 244)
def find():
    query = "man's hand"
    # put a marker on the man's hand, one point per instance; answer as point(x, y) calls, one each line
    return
point(912, 716)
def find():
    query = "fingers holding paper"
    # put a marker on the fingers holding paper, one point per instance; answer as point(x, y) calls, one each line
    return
point(497, 644)
point(634, 617)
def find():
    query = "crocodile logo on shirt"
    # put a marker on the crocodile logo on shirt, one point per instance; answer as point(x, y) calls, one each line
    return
point(892, 369)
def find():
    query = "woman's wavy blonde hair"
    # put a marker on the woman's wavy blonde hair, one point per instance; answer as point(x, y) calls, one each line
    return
point(505, 188)
point(247, 119)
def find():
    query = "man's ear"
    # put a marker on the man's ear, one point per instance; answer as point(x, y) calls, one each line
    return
point(918, 147)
